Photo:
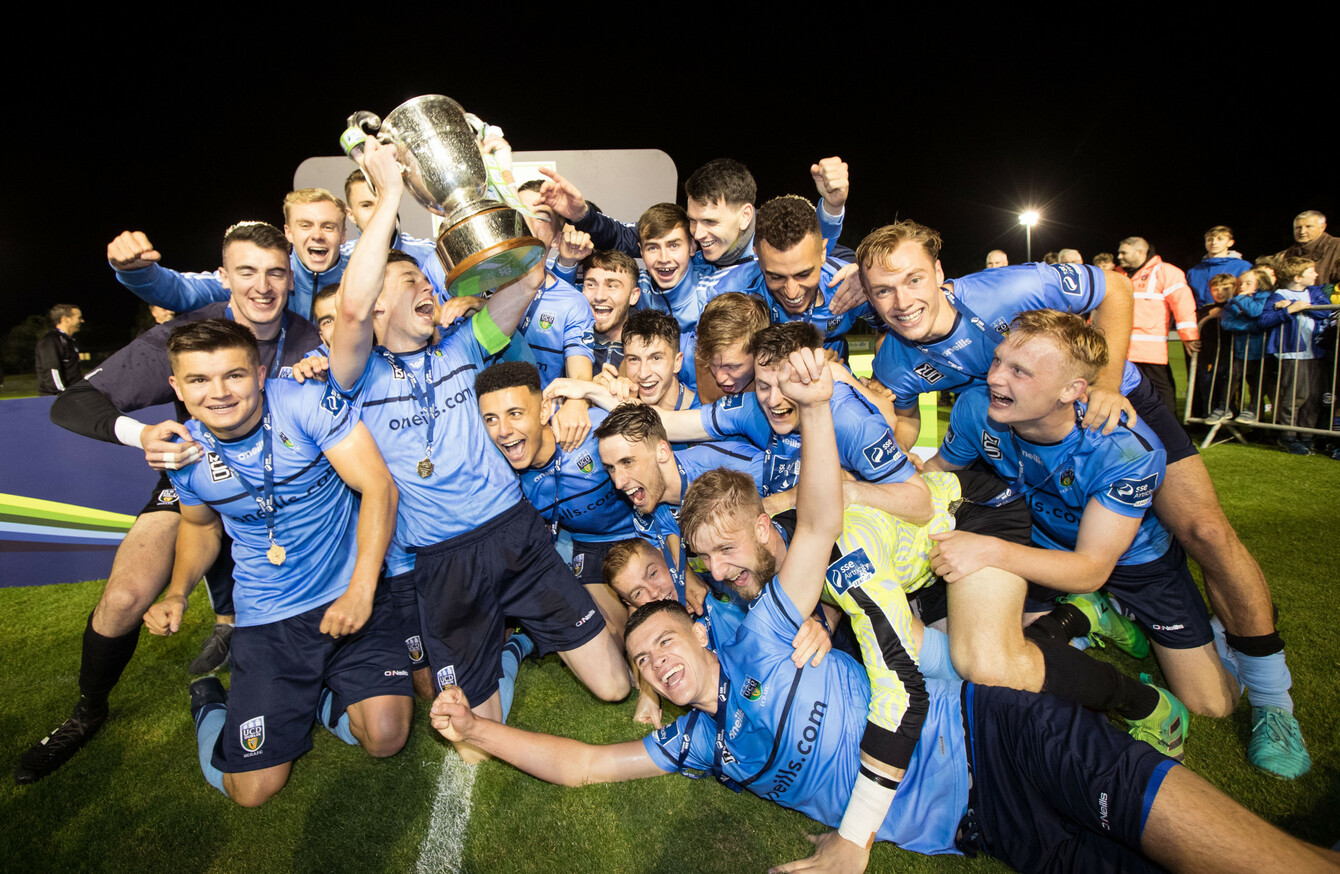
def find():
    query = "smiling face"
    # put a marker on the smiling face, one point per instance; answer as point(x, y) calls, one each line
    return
point(259, 281)
point(1133, 256)
point(783, 415)
point(316, 231)
point(610, 293)
point(667, 258)
point(405, 314)
point(792, 276)
point(635, 469)
point(512, 418)
point(669, 652)
point(645, 578)
point(221, 389)
point(716, 226)
point(653, 366)
point(734, 548)
point(904, 288)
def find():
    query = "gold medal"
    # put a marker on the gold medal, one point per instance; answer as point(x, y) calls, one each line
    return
point(275, 554)
point(425, 468)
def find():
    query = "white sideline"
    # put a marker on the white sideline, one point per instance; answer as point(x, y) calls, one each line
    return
point(444, 844)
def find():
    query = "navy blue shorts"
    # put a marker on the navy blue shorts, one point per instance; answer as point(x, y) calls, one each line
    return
point(1150, 407)
point(507, 567)
point(279, 670)
point(405, 606)
point(587, 559)
point(1055, 786)
point(1159, 595)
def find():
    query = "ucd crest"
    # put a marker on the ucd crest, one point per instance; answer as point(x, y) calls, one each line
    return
point(753, 689)
point(446, 677)
point(251, 734)
point(415, 647)
point(1002, 327)
point(546, 321)
point(585, 463)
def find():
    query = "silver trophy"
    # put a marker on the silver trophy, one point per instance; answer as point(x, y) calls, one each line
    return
point(483, 243)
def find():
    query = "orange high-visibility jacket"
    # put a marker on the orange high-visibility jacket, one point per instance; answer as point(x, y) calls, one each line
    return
point(1160, 290)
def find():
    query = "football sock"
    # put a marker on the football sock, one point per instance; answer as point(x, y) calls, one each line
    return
point(1262, 669)
point(102, 661)
point(1074, 676)
point(516, 649)
point(207, 730)
point(339, 726)
point(1227, 657)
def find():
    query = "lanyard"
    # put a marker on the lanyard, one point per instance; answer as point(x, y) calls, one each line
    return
point(721, 755)
point(530, 312)
point(1018, 489)
point(423, 395)
point(279, 347)
point(264, 496)
point(555, 469)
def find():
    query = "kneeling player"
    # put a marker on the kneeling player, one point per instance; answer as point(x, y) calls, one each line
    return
point(282, 466)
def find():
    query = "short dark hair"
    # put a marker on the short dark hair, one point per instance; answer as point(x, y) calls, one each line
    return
point(636, 423)
point(507, 374)
point(784, 221)
point(652, 325)
point(262, 234)
point(775, 343)
point(60, 311)
point(723, 179)
point(325, 292)
point(646, 611)
point(395, 256)
point(212, 335)
point(355, 176)
point(660, 219)
point(613, 261)
point(531, 185)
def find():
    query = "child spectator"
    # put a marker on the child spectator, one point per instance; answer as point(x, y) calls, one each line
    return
point(1219, 258)
point(1213, 362)
point(1241, 315)
point(1297, 344)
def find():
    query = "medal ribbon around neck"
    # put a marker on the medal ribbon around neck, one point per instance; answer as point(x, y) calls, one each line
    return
point(264, 496)
point(279, 347)
point(423, 395)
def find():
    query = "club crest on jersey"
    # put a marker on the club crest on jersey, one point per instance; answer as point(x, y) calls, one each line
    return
point(283, 438)
point(446, 677)
point(991, 446)
point(731, 402)
point(1068, 478)
point(752, 689)
point(218, 471)
point(585, 463)
point(167, 496)
point(546, 321)
point(881, 451)
point(1002, 327)
point(834, 324)
point(1069, 278)
point(928, 372)
point(251, 734)
point(578, 563)
point(852, 570)
point(1134, 492)
point(415, 646)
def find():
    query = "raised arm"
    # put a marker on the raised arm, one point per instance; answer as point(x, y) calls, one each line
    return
point(553, 759)
point(352, 335)
point(135, 261)
point(809, 385)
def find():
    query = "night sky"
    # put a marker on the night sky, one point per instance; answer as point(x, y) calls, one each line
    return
point(1111, 127)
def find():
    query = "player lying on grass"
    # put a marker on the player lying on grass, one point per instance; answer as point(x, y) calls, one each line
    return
point(792, 735)
point(315, 635)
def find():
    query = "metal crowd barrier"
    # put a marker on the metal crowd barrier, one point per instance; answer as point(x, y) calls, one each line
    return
point(1253, 388)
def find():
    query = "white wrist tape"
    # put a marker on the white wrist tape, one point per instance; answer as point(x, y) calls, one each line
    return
point(869, 804)
point(128, 431)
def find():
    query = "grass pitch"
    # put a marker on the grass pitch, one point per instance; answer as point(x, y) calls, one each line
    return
point(134, 799)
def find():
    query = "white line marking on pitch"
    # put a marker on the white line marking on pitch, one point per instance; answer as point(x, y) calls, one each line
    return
point(444, 845)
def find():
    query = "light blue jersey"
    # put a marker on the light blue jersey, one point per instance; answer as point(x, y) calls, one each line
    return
point(470, 481)
point(865, 441)
point(986, 303)
point(573, 491)
point(183, 292)
point(793, 735)
point(315, 512)
point(1121, 471)
point(558, 325)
